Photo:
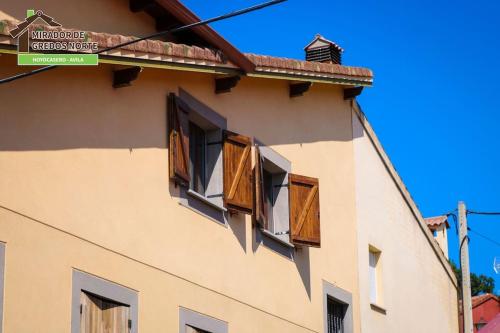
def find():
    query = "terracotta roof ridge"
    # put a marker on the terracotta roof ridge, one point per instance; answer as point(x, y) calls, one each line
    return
point(147, 46)
point(310, 66)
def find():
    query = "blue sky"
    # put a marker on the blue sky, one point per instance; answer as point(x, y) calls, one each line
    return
point(434, 102)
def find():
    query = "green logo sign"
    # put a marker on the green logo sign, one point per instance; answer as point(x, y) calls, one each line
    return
point(41, 41)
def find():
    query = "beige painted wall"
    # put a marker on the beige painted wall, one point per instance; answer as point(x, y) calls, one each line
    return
point(91, 164)
point(111, 16)
point(417, 293)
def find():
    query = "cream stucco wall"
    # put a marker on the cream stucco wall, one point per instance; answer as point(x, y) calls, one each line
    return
point(111, 16)
point(417, 292)
point(85, 185)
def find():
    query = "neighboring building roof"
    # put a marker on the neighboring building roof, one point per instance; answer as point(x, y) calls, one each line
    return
point(493, 325)
point(436, 221)
point(180, 53)
point(478, 300)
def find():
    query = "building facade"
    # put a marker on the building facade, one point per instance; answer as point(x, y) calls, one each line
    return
point(182, 186)
point(405, 280)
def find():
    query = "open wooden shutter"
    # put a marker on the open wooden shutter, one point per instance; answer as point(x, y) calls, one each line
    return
point(260, 202)
point(238, 187)
point(304, 210)
point(178, 133)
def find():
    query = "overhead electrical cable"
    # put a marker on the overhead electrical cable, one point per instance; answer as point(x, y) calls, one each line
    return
point(158, 34)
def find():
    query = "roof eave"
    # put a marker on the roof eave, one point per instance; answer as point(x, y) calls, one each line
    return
point(184, 15)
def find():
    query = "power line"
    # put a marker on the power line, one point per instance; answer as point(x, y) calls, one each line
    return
point(158, 34)
point(482, 213)
point(485, 237)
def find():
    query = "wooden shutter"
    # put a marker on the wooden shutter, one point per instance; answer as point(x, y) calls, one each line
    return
point(101, 316)
point(178, 134)
point(260, 202)
point(238, 186)
point(304, 210)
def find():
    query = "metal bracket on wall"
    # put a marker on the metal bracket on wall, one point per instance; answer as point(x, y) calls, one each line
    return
point(124, 77)
point(225, 84)
point(298, 89)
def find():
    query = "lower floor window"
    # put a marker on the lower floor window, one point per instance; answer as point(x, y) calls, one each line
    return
point(190, 329)
point(100, 315)
point(335, 316)
point(102, 306)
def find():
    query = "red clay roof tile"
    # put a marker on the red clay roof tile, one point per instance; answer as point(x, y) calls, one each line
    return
point(262, 62)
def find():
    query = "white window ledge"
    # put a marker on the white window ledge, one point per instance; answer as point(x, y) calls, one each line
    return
point(206, 200)
point(275, 237)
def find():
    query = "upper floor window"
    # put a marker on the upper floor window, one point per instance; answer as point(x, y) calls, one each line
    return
point(286, 205)
point(374, 276)
point(272, 192)
point(212, 163)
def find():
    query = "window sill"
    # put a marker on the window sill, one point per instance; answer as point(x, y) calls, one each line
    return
point(205, 200)
point(276, 238)
point(378, 308)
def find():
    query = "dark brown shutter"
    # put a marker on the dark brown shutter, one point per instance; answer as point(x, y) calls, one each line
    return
point(304, 210)
point(238, 186)
point(178, 124)
point(260, 203)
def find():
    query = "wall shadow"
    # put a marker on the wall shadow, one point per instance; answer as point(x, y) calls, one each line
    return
point(73, 108)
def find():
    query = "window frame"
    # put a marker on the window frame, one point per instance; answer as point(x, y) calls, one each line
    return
point(376, 304)
point(85, 282)
point(189, 198)
point(267, 153)
point(200, 321)
point(341, 296)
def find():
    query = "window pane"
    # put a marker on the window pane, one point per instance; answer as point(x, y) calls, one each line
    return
point(373, 277)
point(197, 151)
point(267, 179)
point(335, 316)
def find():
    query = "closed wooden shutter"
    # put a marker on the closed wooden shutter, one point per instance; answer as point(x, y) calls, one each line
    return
point(260, 202)
point(99, 315)
point(238, 194)
point(304, 210)
point(178, 134)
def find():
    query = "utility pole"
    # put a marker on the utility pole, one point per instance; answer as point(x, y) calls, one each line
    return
point(464, 265)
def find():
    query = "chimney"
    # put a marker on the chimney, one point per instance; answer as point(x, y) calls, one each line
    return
point(323, 50)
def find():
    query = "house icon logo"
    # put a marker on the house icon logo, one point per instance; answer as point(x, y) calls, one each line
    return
point(42, 41)
point(21, 32)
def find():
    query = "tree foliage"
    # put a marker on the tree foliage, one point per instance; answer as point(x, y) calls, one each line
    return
point(480, 284)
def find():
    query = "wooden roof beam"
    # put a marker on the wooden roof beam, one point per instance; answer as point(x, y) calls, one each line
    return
point(124, 77)
point(298, 89)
